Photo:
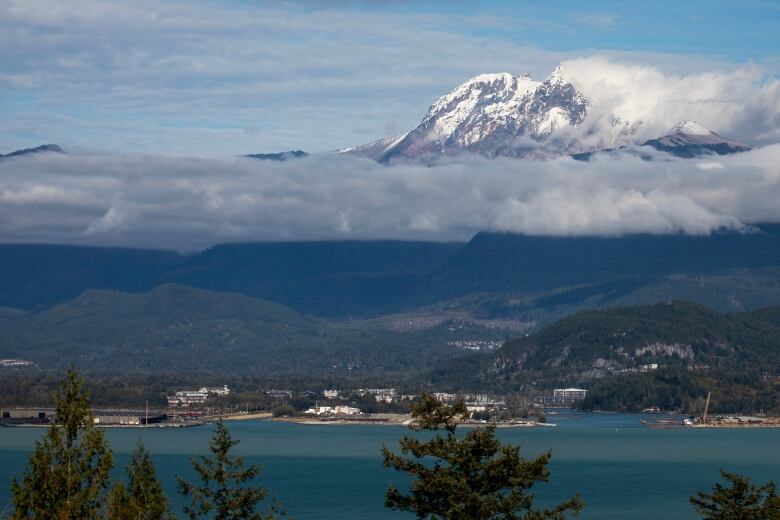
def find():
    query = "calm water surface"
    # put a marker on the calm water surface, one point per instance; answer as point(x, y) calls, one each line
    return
point(326, 472)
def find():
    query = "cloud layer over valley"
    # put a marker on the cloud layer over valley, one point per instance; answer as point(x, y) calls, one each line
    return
point(191, 203)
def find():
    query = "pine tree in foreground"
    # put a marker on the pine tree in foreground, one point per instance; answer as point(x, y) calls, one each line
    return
point(740, 500)
point(68, 471)
point(471, 478)
point(143, 498)
point(220, 494)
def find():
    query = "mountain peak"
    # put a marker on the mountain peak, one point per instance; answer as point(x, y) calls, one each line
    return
point(488, 78)
point(493, 114)
point(690, 139)
point(690, 127)
point(556, 76)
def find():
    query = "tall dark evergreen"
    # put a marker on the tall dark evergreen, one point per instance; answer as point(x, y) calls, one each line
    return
point(473, 477)
point(68, 472)
point(143, 498)
point(222, 492)
point(738, 500)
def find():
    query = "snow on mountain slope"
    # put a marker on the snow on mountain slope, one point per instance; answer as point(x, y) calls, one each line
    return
point(494, 114)
point(516, 116)
point(690, 139)
point(373, 149)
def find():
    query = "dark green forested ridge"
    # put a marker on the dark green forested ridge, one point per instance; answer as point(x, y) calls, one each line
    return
point(180, 328)
point(668, 355)
point(530, 278)
point(627, 336)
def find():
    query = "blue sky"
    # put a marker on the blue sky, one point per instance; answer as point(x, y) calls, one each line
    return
point(742, 30)
point(225, 78)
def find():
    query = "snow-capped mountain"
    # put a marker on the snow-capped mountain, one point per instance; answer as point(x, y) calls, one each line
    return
point(494, 114)
point(689, 139)
point(516, 116)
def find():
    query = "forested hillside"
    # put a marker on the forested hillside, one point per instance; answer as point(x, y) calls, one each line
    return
point(179, 328)
point(495, 275)
point(668, 355)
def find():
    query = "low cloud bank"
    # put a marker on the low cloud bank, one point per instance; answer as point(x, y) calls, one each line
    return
point(740, 102)
point(191, 203)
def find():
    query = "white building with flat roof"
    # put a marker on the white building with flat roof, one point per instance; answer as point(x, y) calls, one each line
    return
point(570, 394)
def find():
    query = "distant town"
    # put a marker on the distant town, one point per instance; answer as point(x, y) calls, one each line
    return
point(191, 407)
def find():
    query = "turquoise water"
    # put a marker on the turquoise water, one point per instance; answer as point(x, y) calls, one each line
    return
point(335, 472)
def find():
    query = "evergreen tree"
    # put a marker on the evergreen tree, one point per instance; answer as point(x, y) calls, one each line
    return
point(740, 500)
point(118, 503)
point(475, 477)
point(220, 494)
point(144, 498)
point(68, 471)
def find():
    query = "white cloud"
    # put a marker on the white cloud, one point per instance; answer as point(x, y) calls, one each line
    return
point(739, 102)
point(212, 78)
point(190, 203)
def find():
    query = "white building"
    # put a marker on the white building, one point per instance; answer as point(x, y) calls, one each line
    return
point(444, 397)
point(330, 394)
point(187, 397)
point(333, 410)
point(215, 390)
point(569, 394)
point(382, 395)
point(346, 410)
point(319, 410)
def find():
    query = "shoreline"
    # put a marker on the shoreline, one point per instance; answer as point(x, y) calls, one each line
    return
point(402, 420)
point(244, 416)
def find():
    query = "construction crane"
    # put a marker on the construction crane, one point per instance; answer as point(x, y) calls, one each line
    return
point(706, 409)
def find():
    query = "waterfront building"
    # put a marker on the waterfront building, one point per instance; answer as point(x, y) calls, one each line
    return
point(187, 397)
point(332, 410)
point(27, 415)
point(444, 397)
point(117, 420)
point(569, 394)
point(346, 410)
